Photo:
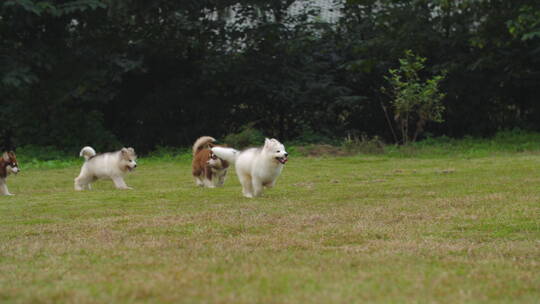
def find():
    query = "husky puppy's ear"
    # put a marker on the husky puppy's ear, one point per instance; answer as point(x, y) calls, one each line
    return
point(5, 156)
point(131, 151)
point(124, 152)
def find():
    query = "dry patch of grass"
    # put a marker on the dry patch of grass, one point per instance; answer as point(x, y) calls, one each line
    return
point(334, 230)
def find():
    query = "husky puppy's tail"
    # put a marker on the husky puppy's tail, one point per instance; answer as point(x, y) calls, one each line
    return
point(87, 152)
point(228, 154)
point(202, 142)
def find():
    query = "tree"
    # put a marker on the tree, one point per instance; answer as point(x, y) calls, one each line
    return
point(415, 102)
point(162, 73)
point(526, 25)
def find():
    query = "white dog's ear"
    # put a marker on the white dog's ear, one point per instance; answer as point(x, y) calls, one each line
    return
point(267, 141)
point(132, 152)
point(5, 156)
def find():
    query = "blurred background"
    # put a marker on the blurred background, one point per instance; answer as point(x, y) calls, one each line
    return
point(161, 73)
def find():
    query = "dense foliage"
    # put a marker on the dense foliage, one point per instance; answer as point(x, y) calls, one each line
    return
point(161, 73)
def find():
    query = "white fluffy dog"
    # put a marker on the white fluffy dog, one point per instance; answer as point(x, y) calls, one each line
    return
point(256, 167)
point(111, 165)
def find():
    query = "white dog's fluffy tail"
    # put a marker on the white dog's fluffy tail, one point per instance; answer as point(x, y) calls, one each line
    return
point(228, 154)
point(87, 152)
point(202, 143)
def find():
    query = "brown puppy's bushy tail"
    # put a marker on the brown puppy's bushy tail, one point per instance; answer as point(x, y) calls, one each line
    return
point(203, 142)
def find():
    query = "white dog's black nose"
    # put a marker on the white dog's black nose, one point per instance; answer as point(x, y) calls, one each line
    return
point(286, 154)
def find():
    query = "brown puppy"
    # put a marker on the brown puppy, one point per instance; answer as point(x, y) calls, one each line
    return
point(8, 164)
point(208, 169)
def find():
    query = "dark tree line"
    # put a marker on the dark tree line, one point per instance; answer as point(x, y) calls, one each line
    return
point(161, 73)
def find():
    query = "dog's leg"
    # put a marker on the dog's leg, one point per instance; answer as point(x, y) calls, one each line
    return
point(120, 183)
point(218, 177)
point(214, 179)
point(80, 183)
point(3, 187)
point(247, 189)
point(208, 183)
point(270, 184)
point(208, 178)
point(221, 179)
point(257, 186)
point(83, 179)
point(199, 181)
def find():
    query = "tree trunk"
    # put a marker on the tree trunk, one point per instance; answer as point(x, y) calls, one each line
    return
point(419, 128)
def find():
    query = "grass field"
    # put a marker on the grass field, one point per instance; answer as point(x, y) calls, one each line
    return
point(442, 229)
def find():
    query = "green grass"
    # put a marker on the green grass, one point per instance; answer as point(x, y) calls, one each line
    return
point(443, 229)
point(504, 142)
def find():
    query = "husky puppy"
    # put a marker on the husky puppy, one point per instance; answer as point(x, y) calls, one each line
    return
point(111, 165)
point(256, 167)
point(207, 169)
point(8, 164)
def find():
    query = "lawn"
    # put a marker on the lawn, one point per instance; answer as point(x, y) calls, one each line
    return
point(441, 229)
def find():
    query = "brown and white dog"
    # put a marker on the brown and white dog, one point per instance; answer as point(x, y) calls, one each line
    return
point(111, 165)
point(8, 164)
point(208, 169)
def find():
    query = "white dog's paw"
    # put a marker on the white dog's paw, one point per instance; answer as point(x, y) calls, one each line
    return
point(124, 188)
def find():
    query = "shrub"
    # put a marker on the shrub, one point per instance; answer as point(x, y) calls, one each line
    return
point(170, 154)
point(320, 150)
point(249, 136)
point(43, 153)
point(415, 102)
point(363, 144)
